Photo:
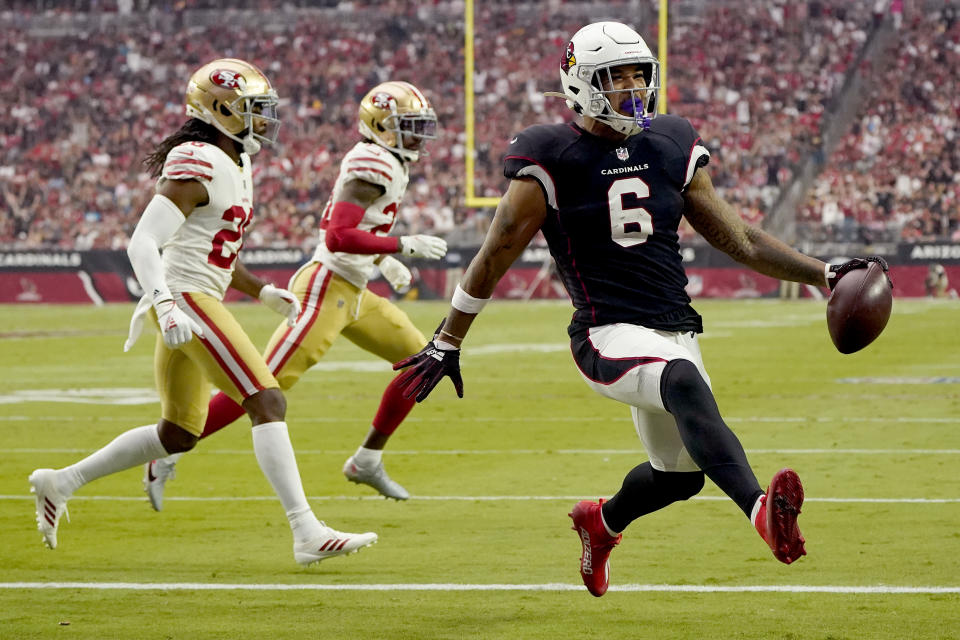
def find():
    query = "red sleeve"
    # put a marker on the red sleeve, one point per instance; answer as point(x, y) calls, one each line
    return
point(343, 235)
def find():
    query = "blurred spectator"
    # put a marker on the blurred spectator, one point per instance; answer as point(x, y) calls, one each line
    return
point(936, 282)
point(91, 93)
point(896, 175)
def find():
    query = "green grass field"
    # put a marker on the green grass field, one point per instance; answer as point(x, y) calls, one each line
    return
point(484, 549)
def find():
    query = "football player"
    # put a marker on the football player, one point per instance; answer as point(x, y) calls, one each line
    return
point(395, 121)
point(609, 192)
point(936, 282)
point(184, 253)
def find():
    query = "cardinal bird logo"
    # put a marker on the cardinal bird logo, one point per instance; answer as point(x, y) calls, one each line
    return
point(568, 59)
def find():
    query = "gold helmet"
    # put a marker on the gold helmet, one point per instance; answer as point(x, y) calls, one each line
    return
point(397, 116)
point(236, 98)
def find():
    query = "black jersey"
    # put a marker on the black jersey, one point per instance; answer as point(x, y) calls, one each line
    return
point(612, 218)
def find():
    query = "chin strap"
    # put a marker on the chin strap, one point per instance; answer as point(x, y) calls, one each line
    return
point(251, 145)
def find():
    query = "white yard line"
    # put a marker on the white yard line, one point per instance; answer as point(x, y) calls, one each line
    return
point(549, 586)
point(524, 419)
point(500, 498)
point(536, 452)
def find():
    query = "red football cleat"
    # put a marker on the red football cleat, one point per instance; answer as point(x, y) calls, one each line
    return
point(777, 520)
point(597, 545)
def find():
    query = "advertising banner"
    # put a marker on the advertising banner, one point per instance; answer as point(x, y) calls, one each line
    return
point(63, 276)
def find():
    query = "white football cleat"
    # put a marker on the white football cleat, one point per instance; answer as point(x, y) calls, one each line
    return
point(50, 505)
point(330, 543)
point(375, 477)
point(155, 476)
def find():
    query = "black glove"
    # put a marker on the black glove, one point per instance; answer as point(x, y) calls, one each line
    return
point(427, 367)
point(837, 271)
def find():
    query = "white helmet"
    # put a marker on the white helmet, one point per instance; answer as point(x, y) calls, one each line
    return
point(590, 55)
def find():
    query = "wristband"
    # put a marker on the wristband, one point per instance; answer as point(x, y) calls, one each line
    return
point(466, 303)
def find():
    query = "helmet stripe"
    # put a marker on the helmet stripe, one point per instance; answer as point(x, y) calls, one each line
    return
point(417, 93)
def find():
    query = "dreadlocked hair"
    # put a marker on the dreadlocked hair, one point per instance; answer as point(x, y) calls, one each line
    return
point(192, 130)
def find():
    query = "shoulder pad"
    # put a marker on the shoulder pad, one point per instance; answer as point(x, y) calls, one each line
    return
point(542, 141)
point(189, 161)
point(678, 129)
point(371, 163)
point(533, 152)
point(691, 151)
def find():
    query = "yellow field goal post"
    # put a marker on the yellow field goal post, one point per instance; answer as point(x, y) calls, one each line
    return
point(471, 198)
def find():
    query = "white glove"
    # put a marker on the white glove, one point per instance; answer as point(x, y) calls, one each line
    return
point(177, 327)
point(281, 301)
point(395, 272)
point(430, 247)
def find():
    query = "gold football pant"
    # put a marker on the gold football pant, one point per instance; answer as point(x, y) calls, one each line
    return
point(331, 307)
point(224, 356)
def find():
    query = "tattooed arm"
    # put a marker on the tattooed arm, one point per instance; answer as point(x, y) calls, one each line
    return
point(519, 216)
point(714, 219)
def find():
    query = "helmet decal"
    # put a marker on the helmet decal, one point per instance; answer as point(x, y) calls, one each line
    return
point(227, 79)
point(383, 100)
point(568, 59)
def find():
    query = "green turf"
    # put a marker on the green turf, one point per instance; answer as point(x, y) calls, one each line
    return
point(528, 430)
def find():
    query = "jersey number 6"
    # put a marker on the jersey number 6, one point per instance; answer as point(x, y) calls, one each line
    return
point(224, 259)
point(629, 226)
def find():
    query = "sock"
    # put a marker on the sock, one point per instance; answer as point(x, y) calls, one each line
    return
point(271, 444)
point(367, 457)
point(758, 516)
point(131, 448)
point(646, 490)
point(610, 532)
point(174, 457)
point(222, 412)
point(393, 409)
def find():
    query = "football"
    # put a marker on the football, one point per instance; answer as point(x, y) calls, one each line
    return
point(859, 308)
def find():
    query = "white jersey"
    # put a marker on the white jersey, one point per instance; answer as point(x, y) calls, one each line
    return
point(202, 253)
point(371, 163)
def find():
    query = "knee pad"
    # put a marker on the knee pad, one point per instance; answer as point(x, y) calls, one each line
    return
point(682, 385)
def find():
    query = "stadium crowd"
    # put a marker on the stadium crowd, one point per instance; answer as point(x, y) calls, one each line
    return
point(896, 175)
point(88, 105)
